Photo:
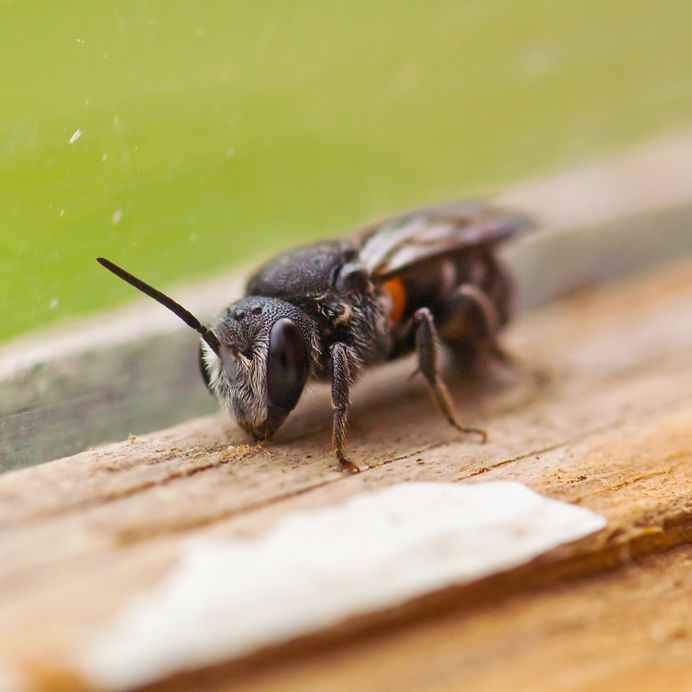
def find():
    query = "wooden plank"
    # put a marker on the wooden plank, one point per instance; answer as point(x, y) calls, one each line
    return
point(135, 370)
point(612, 431)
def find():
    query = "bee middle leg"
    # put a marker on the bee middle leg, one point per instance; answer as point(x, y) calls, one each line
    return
point(343, 372)
point(428, 346)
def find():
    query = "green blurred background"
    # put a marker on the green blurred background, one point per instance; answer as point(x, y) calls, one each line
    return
point(213, 132)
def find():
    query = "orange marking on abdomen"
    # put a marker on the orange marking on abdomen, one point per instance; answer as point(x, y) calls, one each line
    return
point(394, 288)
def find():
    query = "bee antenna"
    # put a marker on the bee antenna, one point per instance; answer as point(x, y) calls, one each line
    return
point(177, 309)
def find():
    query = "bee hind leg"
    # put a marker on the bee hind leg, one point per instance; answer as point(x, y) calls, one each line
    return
point(343, 370)
point(485, 349)
point(471, 328)
point(428, 346)
point(470, 295)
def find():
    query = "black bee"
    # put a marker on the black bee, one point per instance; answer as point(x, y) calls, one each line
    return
point(327, 311)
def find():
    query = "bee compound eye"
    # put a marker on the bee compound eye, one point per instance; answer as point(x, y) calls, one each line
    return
point(287, 364)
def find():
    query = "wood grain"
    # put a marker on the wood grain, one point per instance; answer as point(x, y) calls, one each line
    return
point(611, 429)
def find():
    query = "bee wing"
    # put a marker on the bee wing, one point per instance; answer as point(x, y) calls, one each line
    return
point(399, 242)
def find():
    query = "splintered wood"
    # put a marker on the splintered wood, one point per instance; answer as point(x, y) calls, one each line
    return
point(607, 427)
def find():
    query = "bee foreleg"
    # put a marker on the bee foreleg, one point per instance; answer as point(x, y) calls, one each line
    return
point(343, 372)
point(428, 346)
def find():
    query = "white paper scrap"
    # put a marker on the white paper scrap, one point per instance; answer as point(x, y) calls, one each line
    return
point(312, 569)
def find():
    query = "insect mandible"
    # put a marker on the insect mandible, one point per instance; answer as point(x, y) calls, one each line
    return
point(329, 310)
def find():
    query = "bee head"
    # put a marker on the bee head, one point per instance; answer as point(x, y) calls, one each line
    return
point(265, 352)
point(255, 360)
